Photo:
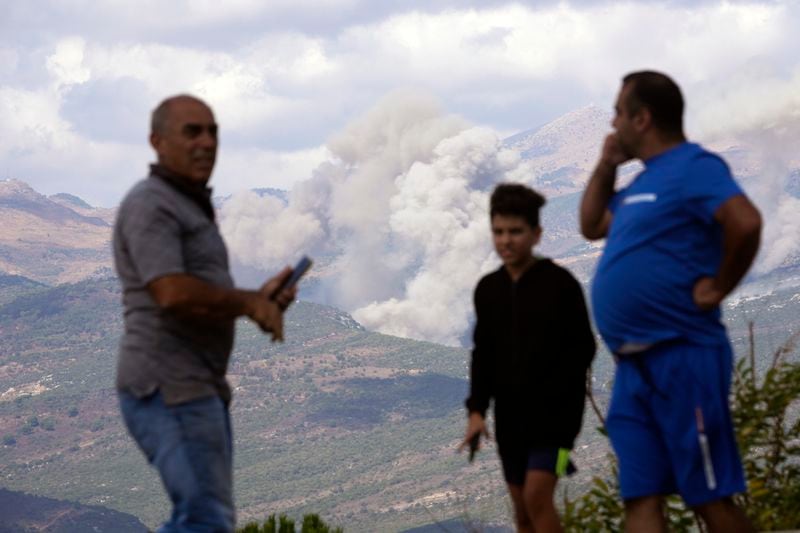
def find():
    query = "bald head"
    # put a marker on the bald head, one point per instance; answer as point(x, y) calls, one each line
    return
point(184, 135)
point(160, 115)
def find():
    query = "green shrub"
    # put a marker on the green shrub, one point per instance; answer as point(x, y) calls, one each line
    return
point(312, 523)
point(765, 411)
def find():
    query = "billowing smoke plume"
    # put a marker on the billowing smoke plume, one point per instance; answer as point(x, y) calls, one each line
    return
point(775, 148)
point(439, 221)
point(397, 220)
point(264, 232)
point(757, 114)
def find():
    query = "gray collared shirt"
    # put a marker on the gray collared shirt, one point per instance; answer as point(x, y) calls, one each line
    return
point(161, 231)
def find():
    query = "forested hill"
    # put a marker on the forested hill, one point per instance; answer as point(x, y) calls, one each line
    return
point(23, 513)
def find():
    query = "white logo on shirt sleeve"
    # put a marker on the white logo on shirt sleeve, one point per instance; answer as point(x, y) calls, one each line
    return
point(638, 198)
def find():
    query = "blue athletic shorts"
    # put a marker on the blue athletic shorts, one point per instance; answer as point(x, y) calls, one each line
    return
point(670, 423)
point(516, 463)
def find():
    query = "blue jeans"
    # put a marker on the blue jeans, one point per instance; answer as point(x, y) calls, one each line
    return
point(191, 446)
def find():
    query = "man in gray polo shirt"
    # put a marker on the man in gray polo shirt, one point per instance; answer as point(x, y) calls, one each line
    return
point(180, 307)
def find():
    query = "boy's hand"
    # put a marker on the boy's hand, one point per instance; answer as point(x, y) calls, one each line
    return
point(476, 426)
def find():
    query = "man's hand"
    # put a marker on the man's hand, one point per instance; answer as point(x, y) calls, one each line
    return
point(284, 297)
point(595, 218)
point(266, 307)
point(706, 294)
point(476, 426)
point(741, 230)
point(613, 155)
point(267, 314)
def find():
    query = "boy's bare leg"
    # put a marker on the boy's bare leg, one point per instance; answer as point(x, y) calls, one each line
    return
point(645, 515)
point(724, 515)
point(538, 497)
point(523, 522)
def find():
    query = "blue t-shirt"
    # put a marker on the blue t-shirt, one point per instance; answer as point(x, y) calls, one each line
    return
point(663, 237)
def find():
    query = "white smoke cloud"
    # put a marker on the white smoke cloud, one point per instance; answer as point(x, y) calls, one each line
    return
point(774, 147)
point(404, 128)
point(758, 111)
point(264, 233)
point(755, 98)
point(398, 216)
point(439, 216)
point(781, 231)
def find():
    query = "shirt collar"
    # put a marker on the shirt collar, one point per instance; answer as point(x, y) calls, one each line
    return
point(197, 192)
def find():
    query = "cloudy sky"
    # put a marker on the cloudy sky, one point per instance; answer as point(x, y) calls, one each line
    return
point(78, 78)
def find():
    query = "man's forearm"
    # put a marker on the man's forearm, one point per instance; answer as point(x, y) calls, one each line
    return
point(192, 297)
point(594, 204)
point(741, 229)
point(739, 250)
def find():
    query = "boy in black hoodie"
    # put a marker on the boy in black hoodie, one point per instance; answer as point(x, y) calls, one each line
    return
point(532, 347)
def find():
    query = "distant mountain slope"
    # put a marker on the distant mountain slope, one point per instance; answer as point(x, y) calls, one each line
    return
point(81, 207)
point(17, 195)
point(22, 513)
point(563, 152)
point(50, 241)
point(71, 200)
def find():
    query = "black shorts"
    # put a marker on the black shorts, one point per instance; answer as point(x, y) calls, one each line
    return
point(516, 463)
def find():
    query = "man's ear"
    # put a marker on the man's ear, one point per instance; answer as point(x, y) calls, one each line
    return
point(643, 119)
point(155, 141)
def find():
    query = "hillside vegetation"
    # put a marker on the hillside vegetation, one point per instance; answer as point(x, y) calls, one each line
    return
point(356, 426)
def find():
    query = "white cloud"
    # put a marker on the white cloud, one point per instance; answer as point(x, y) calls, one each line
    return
point(66, 63)
point(510, 66)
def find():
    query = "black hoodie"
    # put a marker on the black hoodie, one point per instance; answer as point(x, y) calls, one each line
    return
point(533, 345)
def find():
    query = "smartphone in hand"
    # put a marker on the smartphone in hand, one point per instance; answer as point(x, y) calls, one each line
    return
point(299, 269)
